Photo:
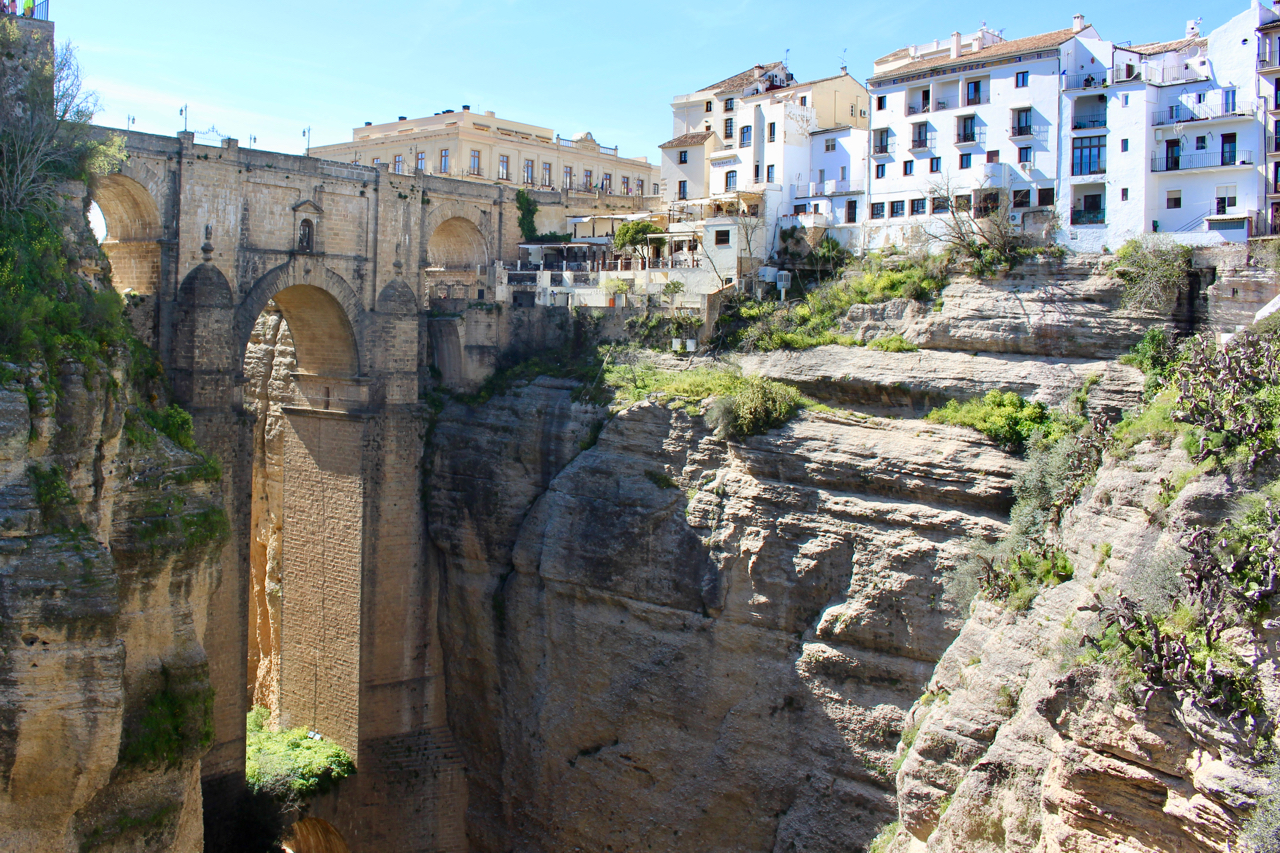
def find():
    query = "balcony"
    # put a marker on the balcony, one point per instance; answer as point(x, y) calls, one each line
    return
point(1265, 62)
point(882, 149)
point(976, 102)
point(938, 105)
point(1182, 113)
point(922, 143)
point(1090, 80)
point(475, 172)
point(1086, 121)
point(1019, 131)
point(1089, 167)
point(1088, 217)
point(1202, 160)
point(917, 109)
point(971, 137)
point(1169, 75)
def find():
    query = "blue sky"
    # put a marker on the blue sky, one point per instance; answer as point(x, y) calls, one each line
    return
point(275, 67)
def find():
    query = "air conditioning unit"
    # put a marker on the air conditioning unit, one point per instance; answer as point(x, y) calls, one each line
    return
point(1015, 217)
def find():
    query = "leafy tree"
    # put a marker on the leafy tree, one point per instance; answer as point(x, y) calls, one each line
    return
point(671, 290)
point(633, 237)
point(528, 209)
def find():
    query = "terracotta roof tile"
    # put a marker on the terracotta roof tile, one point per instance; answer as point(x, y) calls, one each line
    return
point(1155, 47)
point(740, 81)
point(688, 140)
point(1004, 48)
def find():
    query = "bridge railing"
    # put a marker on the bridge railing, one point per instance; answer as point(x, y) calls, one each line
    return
point(41, 11)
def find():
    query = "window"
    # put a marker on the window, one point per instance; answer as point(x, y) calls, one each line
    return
point(546, 174)
point(882, 102)
point(731, 180)
point(1022, 198)
point(768, 174)
point(306, 233)
point(1021, 79)
point(377, 161)
point(1088, 155)
point(753, 210)
point(1199, 97)
point(1124, 145)
point(804, 101)
point(528, 171)
point(773, 126)
point(1024, 154)
point(879, 170)
point(1124, 100)
point(1228, 100)
point(800, 208)
point(728, 129)
point(877, 210)
point(745, 136)
point(682, 157)
point(909, 167)
point(708, 106)
point(399, 164)
point(757, 173)
point(606, 182)
point(917, 207)
point(1173, 200)
point(639, 187)
point(504, 167)
point(422, 161)
point(568, 177)
point(939, 205)
point(828, 145)
point(586, 179)
point(851, 210)
point(1022, 122)
point(1225, 197)
point(935, 164)
point(626, 185)
point(844, 173)
point(1228, 149)
point(822, 176)
point(973, 92)
point(475, 162)
point(1044, 197)
point(993, 156)
point(1124, 193)
point(966, 161)
point(728, 105)
point(968, 130)
point(722, 238)
point(963, 202)
point(684, 190)
point(897, 208)
point(444, 161)
point(1201, 143)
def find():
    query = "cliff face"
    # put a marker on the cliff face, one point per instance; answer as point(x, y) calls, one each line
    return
point(104, 572)
point(689, 644)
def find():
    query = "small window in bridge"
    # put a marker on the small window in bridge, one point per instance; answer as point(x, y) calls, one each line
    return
point(305, 235)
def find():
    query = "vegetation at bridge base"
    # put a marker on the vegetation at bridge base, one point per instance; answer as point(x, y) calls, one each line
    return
point(289, 764)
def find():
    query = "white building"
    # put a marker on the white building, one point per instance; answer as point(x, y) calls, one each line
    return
point(834, 196)
point(955, 121)
point(742, 150)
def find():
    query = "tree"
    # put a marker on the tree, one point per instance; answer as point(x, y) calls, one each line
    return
point(45, 131)
point(633, 238)
point(671, 290)
point(976, 225)
point(830, 254)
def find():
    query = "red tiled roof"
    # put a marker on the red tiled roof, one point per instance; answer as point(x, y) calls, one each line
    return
point(740, 81)
point(1155, 47)
point(1029, 44)
point(688, 140)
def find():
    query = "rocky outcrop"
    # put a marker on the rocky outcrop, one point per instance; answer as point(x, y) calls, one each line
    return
point(106, 562)
point(913, 383)
point(673, 642)
point(1016, 746)
point(1059, 309)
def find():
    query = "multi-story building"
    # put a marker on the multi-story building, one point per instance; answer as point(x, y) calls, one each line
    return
point(1268, 38)
point(956, 122)
point(742, 148)
point(834, 196)
point(483, 147)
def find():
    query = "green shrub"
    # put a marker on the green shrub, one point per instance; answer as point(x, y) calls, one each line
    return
point(52, 492)
point(175, 725)
point(290, 765)
point(1153, 355)
point(1004, 417)
point(893, 343)
point(1153, 269)
point(659, 479)
point(880, 844)
point(757, 407)
point(174, 422)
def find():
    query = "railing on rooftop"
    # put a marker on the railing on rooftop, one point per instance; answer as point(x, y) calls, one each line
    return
point(1180, 113)
point(1176, 74)
point(1089, 80)
point(1202, 160)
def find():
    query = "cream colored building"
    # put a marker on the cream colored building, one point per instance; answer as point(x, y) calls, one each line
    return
point(483, 147)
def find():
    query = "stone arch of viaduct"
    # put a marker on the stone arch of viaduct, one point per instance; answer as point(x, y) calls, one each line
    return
point(207, 237)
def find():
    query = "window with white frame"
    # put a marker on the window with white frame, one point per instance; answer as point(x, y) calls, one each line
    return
point(504, 167)
point(829, 145)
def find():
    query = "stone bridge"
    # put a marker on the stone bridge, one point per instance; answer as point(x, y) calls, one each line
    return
point(203, 239)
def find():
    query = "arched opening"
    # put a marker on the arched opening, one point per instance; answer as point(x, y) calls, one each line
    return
point(314, 835)
point(302, 383)
point(306, 236)
point(132, 239)
point(457, 244)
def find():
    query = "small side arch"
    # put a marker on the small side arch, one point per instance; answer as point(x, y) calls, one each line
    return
point(132, 243)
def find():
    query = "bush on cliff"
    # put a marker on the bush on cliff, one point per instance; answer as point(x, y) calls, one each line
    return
point(1004, 417)
point(290, 764)
point(758, 406)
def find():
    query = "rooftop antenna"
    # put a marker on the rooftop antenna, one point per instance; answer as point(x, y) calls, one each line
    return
point(183, 112)
point(844, 55)
point(786, 60)
point(306, 134)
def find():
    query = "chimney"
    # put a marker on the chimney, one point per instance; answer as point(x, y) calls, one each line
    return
point(368, 124)
point(1193, 29)
point(403, 118)
point(1077, 23)
point(466, 108)
point(955, 45)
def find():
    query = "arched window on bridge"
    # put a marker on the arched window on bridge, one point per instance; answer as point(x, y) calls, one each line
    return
point(306, 236)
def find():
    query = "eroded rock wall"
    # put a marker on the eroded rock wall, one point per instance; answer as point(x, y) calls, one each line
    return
point(101, 618)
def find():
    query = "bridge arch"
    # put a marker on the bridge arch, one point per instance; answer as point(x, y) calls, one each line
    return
point(323, 313)
point(457, 243)
point(134, 230)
